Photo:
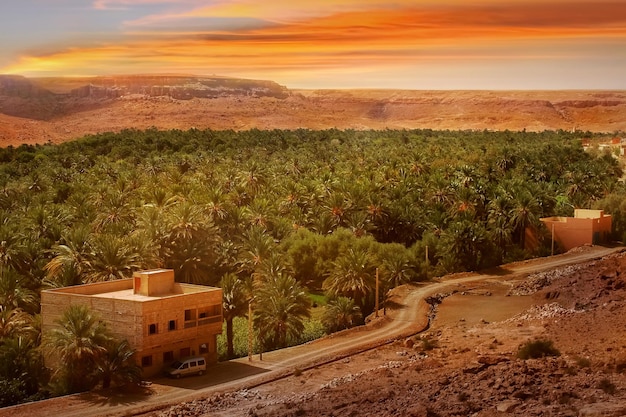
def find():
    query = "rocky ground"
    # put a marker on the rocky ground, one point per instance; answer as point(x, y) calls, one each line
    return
point(467, 364)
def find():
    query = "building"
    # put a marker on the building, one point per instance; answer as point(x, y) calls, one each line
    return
point(162, 320)
point(587, 227)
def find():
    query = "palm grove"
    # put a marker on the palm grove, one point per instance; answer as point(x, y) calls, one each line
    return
point(274, 218)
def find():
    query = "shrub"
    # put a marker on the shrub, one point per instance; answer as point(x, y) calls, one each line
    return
point(537, 349)
point(583, 362)
point(607, 386)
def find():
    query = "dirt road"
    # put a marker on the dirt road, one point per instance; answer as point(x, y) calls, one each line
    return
point(408, 318)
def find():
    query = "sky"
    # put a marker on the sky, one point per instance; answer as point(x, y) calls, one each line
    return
point(405, 44)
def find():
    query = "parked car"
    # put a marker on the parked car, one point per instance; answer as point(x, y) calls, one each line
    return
point(188, 366)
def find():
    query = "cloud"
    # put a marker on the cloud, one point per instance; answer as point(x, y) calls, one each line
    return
point(245, 38)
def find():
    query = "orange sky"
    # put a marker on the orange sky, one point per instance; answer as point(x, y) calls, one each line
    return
point(418, 44)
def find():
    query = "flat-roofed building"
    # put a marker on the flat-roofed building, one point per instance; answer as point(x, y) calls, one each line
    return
point(162, 320)
point(587, 227)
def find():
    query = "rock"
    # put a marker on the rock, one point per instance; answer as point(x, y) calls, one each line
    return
point(492, 359)
point(408, 343)
point(603, 410)
point(474, 369)
point(507, 406)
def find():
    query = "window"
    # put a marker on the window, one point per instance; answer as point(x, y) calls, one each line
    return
point(185, 352)
point(168, 356)
point(190, 315)
point(185, 366)
point(171, 325)
point(210, 311)
point(201, 362)
point(146, 361)
point(204, 348)
point(152, 329)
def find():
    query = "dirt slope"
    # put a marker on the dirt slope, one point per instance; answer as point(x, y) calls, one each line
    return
point(466, 363)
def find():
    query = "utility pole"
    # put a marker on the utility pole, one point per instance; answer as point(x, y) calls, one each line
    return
point(376, 292)
point(250, 331)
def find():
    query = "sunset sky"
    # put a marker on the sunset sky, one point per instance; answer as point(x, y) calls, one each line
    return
point(409, 44)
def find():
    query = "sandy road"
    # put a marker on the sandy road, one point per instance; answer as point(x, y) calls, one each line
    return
point(409, 318)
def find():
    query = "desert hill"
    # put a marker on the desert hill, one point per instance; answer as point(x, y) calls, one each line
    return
point(60, 109)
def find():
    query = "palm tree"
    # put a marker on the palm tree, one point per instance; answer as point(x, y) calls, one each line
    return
point(340, 313)
point(396, 266)
point(71, 259)
point(352, 274)
point(117, 364)
point(281, 305)
point(14, 322)
point(526, 212)
point(190, 243)
point(78, 342)
point(111, 258)
point(14, 292)
point(20, 360)
point(234, 304)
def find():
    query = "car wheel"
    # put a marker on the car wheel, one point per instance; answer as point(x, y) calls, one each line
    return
point(177, 376)
point(201, 373)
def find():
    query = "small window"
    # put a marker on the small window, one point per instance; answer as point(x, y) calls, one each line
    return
point(204, 348)
point(190, 315)
point(171, 325)
point(185, 366)
point(201, 362)
point(168, 356)
point(152, 329)
point(192, 364)
point(146, 361)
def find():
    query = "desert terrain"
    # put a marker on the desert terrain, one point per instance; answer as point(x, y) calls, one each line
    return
point(464, 363)
point(56, 110)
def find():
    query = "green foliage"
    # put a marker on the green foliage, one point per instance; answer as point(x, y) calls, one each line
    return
point(537, 349)
point(341, 313)
point(313, 329)
point(315, 205)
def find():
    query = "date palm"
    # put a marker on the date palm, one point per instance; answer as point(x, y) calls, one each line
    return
point(71, 259)
point(352, 275)
point(111, 258)
point(117, 365)
point(340, 313)
point(78, 341)
point(234, 304)
point(14, 293)
point(14, 322)
point(189, 244)
point(281, 305)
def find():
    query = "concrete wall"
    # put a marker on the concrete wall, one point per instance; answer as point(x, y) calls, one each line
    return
point(187, 336)
point(585, 229)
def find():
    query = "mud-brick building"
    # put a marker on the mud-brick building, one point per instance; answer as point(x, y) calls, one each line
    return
point(587, 227)
point(162, 320)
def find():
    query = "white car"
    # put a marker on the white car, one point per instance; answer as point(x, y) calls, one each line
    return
point(187, 366)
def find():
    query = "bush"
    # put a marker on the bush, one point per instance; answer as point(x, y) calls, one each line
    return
point(583, 362)
point(537, 349)
point(607, 386)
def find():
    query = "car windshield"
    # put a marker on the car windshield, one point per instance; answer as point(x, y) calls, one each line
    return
point(175, 365)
